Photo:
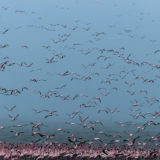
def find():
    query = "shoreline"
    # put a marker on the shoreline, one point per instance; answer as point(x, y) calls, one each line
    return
point(54, 151)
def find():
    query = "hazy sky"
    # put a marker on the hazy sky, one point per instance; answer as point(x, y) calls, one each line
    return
point(132, 24)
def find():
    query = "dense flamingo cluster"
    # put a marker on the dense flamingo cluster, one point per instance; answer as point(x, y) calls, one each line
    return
point(78, 151)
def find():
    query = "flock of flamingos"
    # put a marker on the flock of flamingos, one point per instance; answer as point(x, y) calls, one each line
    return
point(84, 94)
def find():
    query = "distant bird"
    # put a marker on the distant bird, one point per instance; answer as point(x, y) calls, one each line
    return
point(82, 120)
point(5, 31)
point(98, 139)
point(50, 113)
point(37, 111)
point(11, 108)
point(12, 117)
point(61, 130)
point(16, 133)
point(36, 125)
point(48, 137)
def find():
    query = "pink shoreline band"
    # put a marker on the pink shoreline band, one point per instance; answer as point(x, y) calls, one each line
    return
point(79, 151)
